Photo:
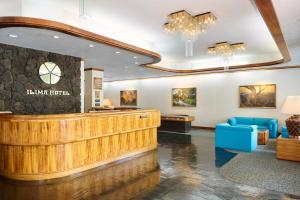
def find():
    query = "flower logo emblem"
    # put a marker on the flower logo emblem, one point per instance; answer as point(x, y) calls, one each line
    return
point(50, 73)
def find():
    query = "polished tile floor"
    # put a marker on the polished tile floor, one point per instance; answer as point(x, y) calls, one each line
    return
point(191, 172)
point(186, 171)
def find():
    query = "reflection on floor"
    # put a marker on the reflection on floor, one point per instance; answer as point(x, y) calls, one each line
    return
point(222, 156)
point(117, 182)
point(187, 172)
point(173, 137)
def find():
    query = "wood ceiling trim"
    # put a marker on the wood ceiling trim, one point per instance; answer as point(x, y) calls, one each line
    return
point(269, 15)
point(270, 18)
point(254, 65)
point(16, 21)
point(214, 72)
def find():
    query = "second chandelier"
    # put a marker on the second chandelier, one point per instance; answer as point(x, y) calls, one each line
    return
point(188, 26)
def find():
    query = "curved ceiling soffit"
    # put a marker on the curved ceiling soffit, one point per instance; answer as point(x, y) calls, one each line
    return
point(268, 13)
point(265, 7)
point(17, 21)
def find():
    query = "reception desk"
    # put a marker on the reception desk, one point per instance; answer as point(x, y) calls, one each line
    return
point(37, 147)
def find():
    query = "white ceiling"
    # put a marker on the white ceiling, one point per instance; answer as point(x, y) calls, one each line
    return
point(288, 12)
point(125, 65)
point(140, 23)
point(237, 21)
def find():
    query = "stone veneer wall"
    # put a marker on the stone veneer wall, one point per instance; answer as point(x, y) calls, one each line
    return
point(19, 71)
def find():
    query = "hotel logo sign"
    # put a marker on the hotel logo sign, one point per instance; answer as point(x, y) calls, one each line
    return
point(47, 93)
point(50, 74)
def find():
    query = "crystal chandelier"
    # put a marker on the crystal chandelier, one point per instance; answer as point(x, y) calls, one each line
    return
point(226, 49)
point(188, 26)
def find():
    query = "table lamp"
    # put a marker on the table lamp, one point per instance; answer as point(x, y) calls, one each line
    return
point(292, 106)
point(107, 103)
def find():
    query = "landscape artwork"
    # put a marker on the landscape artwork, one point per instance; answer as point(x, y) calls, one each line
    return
point(184, 97)
point(258, 96)
point(128, 98)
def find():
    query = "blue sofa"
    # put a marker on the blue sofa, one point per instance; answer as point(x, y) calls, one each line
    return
point(242, 138)
point(262, 124)
point(284, 132)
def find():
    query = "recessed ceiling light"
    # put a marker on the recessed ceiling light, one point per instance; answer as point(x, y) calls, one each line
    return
point(13, 35)
point(126, 67)
point(56, 37)
point(136, 63)
point(118, 52)
point(91, 45)
point(135, 57)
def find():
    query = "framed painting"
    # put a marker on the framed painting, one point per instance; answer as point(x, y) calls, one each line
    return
point(128, 98)
point(184, 97)
point(258, 96)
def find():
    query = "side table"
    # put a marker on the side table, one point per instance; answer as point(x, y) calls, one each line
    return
point(263, 137)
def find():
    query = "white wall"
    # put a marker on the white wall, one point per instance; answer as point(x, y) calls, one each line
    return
point(217, 94)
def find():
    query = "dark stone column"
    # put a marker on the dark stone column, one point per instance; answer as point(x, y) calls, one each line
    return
point(19, 71)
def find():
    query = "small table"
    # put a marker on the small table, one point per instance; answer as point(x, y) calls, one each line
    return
point(288, 149)
point(176, 123)
point(263, 137)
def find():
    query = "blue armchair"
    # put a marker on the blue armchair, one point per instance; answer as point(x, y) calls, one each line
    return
point(262, 124)
point(242, 137)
